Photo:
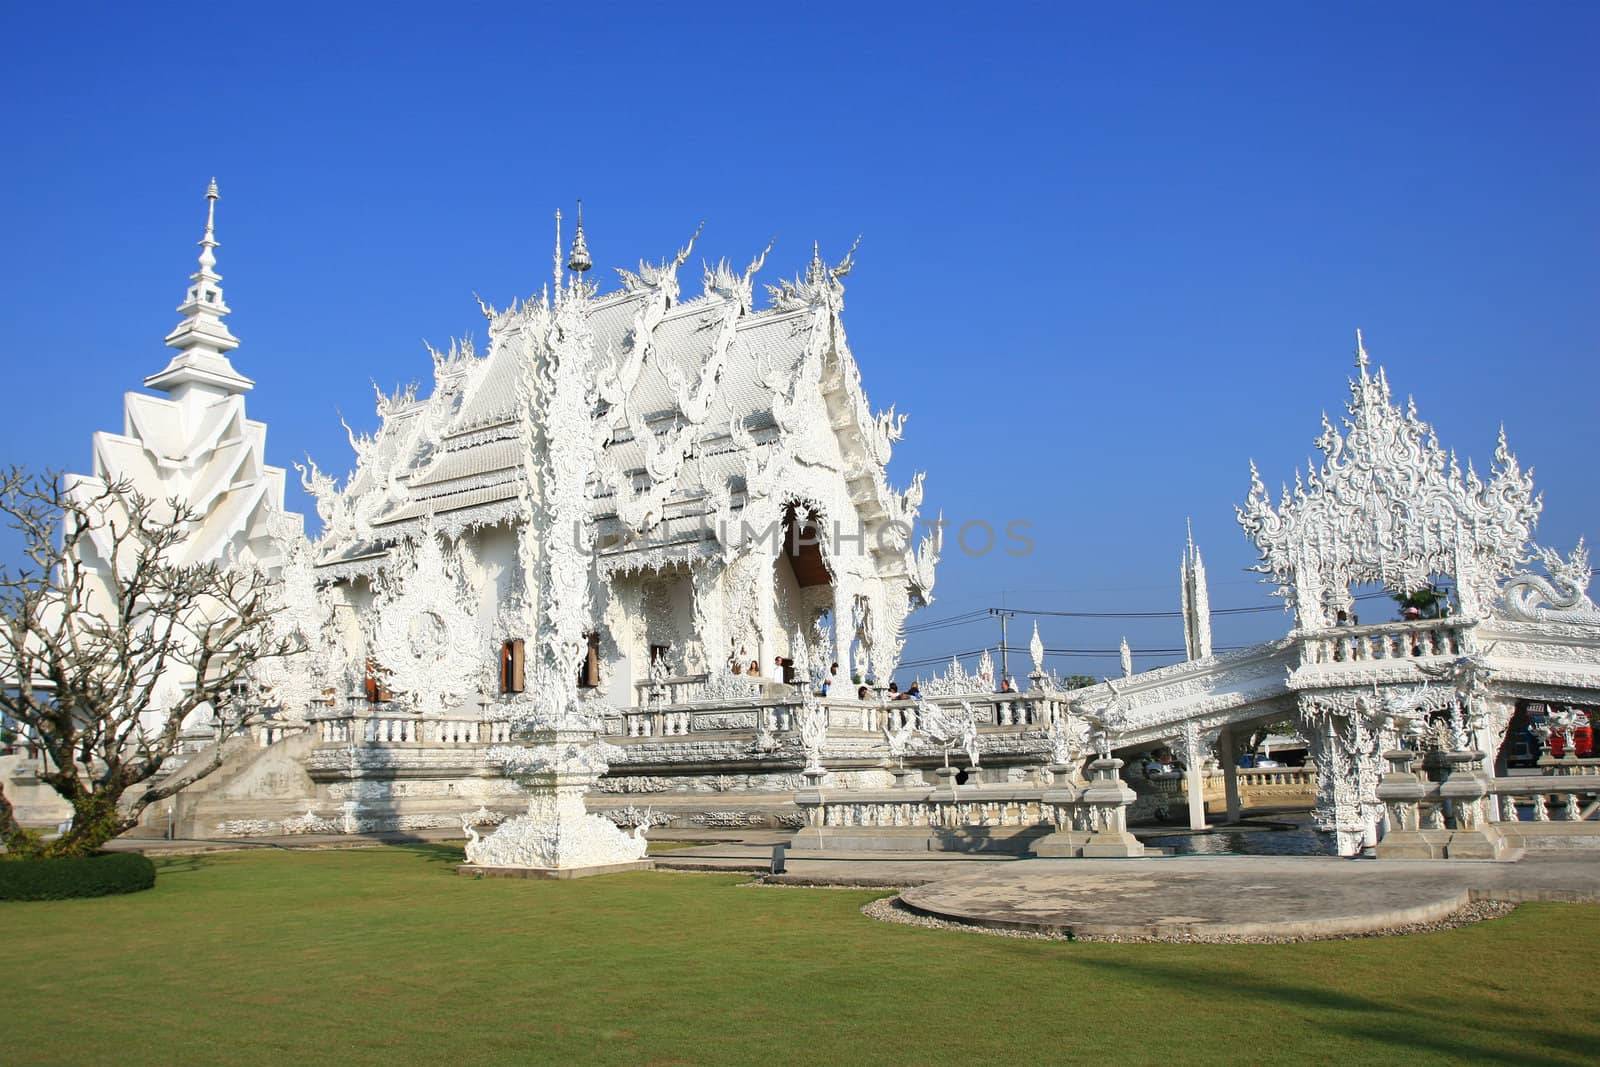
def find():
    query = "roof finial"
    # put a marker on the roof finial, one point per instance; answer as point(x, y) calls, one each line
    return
point(208, 259)
point(1361, 354)
point(557, 256)
point(579, 261)
point(202, 338)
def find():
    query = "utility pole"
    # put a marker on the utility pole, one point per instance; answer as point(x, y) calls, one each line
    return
point(1002, 614)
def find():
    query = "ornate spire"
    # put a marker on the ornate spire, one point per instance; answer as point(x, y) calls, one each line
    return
point(207, 258)
point(1389, 505)
point(202, 338)
point(1361, 355)
point(557, 256)
point(1196, 602)
point(579, 260)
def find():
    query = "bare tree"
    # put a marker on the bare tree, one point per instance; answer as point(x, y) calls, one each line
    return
point(97, 626)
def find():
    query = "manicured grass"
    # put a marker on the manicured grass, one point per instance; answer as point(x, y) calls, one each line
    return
point(386, 956)
point(673, 846)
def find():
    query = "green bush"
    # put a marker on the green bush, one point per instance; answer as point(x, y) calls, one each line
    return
point(78, 876)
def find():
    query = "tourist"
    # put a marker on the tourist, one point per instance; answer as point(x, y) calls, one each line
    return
point(915, 692)
point(754, 670)
point(785, 667)
point(833, 670)
point(894, 692)
point(1008, 686)
point(863, 693)
point(823, 691)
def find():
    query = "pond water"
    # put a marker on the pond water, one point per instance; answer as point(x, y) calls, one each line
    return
point(1291, 835)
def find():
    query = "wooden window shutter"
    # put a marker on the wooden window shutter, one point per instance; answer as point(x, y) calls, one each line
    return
point(376, 693)
point(512, 667)
point(589, 672)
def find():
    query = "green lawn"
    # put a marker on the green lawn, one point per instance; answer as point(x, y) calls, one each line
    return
point(387, 956)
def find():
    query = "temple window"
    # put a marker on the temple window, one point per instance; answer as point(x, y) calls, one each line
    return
point(512, 677)
point(373, 686)
point(589, 669)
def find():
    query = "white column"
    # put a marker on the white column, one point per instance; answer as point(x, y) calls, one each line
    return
point(843, 632)
point(1230, 772)
point(1195, 777)
point(767, 618)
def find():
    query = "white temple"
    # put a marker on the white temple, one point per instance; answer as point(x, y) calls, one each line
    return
point(737, 499)
point(593, 577)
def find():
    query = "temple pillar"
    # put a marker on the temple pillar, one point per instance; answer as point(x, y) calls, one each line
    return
point(767, 618)
point(1230, 772)
point(1348, 768)
point(1195, 754)
point(843, 629)
point(710, 617)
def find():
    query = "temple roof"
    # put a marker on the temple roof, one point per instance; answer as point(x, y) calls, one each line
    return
point(475, 459)
point(694, 391)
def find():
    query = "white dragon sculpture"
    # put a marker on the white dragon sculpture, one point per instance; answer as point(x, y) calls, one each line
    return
point(1561, 597)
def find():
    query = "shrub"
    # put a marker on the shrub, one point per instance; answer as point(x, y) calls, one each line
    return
point(79, 876)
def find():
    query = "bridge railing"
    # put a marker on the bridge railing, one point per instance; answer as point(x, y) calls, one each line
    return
point(1418, 639)
point(1072, 817)
point(1463, 815)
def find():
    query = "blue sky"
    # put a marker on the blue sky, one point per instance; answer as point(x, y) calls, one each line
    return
point(1110, 253)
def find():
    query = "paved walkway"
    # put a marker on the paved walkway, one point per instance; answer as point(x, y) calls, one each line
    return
point(1244, 896)
point(1206, 896)
point(829, 868)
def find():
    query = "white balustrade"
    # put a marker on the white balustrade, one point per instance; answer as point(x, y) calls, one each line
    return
point(1289, 778)
point(390, 729)
point(1385, 641)
point(930, 808)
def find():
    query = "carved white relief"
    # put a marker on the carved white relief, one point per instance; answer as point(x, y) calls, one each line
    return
point(425, 634)
point(1560, 595)
point(303, 615)
point(1390, 506)
point(956, 680)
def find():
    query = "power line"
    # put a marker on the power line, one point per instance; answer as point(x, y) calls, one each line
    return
point(1070, 652)
point(969, 617)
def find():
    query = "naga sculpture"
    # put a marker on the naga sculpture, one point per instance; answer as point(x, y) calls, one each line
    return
point(1561, 597)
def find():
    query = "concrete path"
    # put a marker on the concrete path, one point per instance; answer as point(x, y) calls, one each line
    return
point(1243, 896)
point(829, 868)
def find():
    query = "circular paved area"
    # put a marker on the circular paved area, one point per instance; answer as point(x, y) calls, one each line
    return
point(1210, 897)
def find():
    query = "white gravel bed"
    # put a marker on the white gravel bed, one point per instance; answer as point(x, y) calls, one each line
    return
point(890, 909)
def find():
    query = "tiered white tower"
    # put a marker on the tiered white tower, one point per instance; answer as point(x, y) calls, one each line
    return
point(195, 443)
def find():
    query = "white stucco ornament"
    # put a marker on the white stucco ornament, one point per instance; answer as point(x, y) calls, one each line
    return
point(425, 637)
point(956, 679)
point(556, 833)
point(1389, 506)
point(1560, 595)
point(952, 726)
point(303, 616)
